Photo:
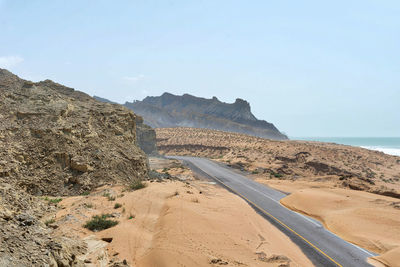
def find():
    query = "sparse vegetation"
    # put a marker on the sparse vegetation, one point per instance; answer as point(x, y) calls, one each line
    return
point(130, 217)
point(276, 174)
point(109, 196)
point(136, 185)
point(100, 222)
point(117, 205)
point(86, 193)
point(88, 205)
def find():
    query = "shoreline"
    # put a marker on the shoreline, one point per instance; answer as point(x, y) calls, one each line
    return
point(388, 145)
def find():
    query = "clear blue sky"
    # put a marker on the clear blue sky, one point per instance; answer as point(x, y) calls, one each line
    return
point(313, 68)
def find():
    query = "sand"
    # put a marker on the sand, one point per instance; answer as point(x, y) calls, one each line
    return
point(368, 220)
point(178, 224)
point(390, 258)
point(349, 167)
point(320, 177)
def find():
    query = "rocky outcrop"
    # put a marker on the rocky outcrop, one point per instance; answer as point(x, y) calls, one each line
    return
point(25, 240)
point(145, 135)
point(56, 141)
point(170, 110)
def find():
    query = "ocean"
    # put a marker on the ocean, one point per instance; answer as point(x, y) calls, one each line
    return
point(387, 145)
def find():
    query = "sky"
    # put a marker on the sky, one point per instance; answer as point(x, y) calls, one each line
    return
point(313, 68)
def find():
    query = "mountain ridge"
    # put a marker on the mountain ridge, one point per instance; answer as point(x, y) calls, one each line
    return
point(169, 110)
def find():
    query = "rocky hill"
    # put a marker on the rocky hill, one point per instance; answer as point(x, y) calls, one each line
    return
point(56, 141)
point(170, 110)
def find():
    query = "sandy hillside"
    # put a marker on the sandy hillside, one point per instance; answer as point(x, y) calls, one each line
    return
point(349, 167)
point(320, 177)
point(175, 223)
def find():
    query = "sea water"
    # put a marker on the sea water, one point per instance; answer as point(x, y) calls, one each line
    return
point(387, 145)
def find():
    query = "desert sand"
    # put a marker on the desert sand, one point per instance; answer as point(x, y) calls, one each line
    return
point(177, 223)
point(368, 220)
point(319, 177)
point(349, 167)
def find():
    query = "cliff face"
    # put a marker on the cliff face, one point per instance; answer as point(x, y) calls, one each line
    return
point(145, 135)
point(170, 110)
point(56, 141)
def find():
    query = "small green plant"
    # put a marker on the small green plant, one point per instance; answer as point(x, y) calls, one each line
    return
point(109, 197)
point(88, 205)
point(276, 175)
point(254, 172)
point(136, 185)
point(53, 200)
point(86, 193)
point(117, 205)
point(48, 222)
point(100, 222)
point(130, 217)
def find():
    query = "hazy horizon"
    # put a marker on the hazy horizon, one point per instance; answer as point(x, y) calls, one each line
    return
point(313, 69)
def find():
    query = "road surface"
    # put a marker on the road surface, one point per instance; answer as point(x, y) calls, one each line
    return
point(321, 246)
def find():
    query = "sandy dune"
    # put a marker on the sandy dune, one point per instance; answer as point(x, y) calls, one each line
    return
point(320, 177)
point(178, 224)
point(390, 258)
point(368, 220)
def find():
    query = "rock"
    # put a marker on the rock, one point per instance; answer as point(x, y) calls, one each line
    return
point(56, 141)
point(6, 214)
point(107, 239)
point(25, 219)
point(146, 137)
point(170, 110)
point(78, 164)
point(218, 262)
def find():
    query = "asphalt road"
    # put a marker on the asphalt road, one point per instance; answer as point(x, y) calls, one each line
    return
point(321, 246)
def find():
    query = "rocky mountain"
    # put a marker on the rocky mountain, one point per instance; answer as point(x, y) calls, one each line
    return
point(170, 110)
point(56, 141)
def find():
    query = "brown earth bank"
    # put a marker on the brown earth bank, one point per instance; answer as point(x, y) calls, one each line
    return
point(55, 141)
point(183, 222)
point(352, 191)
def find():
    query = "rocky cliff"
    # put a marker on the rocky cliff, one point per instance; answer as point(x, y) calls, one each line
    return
point(145, 135)
point(56, 141)
point(170, 110)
